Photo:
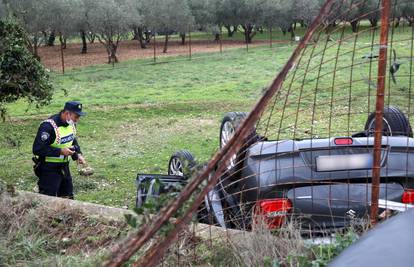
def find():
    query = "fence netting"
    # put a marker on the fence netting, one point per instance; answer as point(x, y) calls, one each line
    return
point(300, 165)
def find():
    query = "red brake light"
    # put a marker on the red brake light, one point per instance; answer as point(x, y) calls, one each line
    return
point(343, 141)
point(273, 211)
point(408, 196)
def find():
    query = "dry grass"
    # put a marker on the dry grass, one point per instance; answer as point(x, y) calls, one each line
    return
point(33, 232)
point(288, 246)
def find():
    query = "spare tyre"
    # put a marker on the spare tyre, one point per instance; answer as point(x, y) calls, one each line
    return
point(395, 123)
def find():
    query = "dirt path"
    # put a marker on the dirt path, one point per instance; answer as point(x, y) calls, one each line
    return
point(51, 58)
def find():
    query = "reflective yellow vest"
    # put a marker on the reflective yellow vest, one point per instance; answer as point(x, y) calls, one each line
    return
point(64, 138)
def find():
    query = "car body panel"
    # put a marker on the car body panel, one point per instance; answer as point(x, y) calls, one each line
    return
point(276, 169)
point(335, 205)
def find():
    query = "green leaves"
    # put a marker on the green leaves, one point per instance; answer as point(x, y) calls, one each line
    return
point(21, 75)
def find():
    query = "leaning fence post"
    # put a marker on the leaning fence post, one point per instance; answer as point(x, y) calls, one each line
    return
point(382, 70)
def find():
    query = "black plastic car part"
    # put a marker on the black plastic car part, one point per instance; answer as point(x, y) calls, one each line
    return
point(152, 185)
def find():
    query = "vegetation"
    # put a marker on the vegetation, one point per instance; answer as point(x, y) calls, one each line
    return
point(21, 75)
point(113, 20)
point(139, 115)
point(34, 233)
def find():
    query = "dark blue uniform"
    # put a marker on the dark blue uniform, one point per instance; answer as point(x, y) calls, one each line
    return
point(55, 178)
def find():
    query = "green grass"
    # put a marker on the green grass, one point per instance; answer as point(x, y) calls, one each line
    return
point(141, 113)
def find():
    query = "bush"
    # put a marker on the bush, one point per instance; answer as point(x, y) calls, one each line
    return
point(21, 74)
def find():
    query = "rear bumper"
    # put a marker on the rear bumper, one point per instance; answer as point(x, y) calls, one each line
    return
point(336, 205)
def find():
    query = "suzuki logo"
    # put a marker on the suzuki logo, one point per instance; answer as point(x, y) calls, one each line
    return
point(351, 214)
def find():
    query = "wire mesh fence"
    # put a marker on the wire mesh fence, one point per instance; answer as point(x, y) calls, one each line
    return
point(191, 46)
point(328, 146)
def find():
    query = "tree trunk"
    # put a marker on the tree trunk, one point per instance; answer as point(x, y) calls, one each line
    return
point(374, 22)
point(397, 22)
point(217, 37)
point(229, 32)
point(45, 37)
point(135, 30)
point(62, 41)
point(91, 37)
point(148, 35)
point(52, 38)
point(182, 35)
point(249, 33)
point(354, 25)
point(165, 44)
point(292, 32)
point(140, 36)
point(111, 50)
point(330, 27)
point(84, 44)
point(114, 48)
point(35, 46)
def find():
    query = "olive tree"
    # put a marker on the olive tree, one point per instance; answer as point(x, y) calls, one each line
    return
point(279, 13)
point(204, 13)
point(109, 20)
point(407, 11)
point(21, 75)
point(62, 16)
point(228, 15)
point(247, 13)
point(305, 11)
point(3, 11)
point(167, 16)
point(33, 17)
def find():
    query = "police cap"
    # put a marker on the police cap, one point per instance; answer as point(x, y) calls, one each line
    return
point(75, 107)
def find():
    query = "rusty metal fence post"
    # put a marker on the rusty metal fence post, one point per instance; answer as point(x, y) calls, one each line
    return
point(189, 43)
point(382, 69)
point(155, 47)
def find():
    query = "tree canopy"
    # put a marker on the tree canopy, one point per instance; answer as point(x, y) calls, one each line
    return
point(21, 74)
point(113, 20)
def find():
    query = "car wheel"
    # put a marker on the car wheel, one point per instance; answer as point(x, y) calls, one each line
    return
point(181, 163)
point(230, 123)
point(395, 123)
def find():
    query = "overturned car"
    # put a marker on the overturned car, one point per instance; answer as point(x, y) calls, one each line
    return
point(324, 183)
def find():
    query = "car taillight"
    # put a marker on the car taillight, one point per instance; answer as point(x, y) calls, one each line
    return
point(408, 196)
point(343, 141)
point(272, 211)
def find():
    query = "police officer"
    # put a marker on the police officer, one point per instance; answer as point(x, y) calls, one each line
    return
point(55, 142)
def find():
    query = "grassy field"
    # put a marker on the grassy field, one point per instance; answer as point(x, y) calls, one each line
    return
point(140, 113)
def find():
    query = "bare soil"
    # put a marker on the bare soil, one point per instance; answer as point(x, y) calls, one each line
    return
point(51, 56)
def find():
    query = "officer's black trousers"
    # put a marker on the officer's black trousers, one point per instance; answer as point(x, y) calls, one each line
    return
point(55, 180)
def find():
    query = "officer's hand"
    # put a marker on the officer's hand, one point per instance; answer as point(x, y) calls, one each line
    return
point(81, 160)
point(66, 151)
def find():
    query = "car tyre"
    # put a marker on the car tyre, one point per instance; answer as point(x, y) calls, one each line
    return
point(395, 123)
point(181, 163)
